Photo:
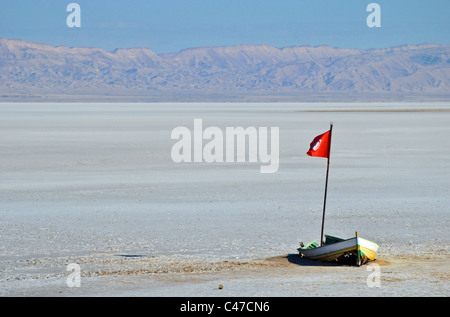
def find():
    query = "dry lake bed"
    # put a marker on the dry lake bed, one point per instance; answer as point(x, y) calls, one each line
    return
point(93, 204)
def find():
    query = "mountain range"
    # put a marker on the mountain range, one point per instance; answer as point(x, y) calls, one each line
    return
point(35, 71)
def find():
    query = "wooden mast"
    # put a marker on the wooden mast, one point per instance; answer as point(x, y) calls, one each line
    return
point(326, 184)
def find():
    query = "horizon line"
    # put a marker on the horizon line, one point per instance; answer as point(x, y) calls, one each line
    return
point(227, 46)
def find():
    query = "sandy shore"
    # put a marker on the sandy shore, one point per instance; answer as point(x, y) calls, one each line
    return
point(94, 184)
point(286, 276)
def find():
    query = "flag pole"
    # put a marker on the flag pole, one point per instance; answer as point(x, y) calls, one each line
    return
point(326, 184)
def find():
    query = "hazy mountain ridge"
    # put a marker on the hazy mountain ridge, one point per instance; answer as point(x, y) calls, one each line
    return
point(40, 69)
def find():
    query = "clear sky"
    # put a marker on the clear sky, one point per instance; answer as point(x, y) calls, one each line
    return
point(172, 25)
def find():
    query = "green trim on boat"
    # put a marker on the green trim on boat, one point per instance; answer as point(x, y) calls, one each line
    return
point(311, 245)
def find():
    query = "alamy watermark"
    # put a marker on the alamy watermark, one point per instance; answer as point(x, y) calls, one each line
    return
point(374, 18)
point(74, 18)
point(374, 278)
point(74, 278)
point(229, 145)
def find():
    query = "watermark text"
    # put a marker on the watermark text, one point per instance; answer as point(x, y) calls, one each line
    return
point(235, 144)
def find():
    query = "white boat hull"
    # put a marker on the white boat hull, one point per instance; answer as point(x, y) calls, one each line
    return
point(364, 250)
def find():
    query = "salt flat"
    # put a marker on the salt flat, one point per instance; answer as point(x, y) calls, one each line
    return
point(94, 184)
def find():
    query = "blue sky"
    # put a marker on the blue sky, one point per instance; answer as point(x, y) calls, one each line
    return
point(172, 25)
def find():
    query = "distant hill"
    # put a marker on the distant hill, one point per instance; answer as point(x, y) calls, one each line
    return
point(34, 71)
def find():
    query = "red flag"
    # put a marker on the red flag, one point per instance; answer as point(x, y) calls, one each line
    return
point(320, 146)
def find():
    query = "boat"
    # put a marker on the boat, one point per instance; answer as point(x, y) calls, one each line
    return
point(355, 250)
